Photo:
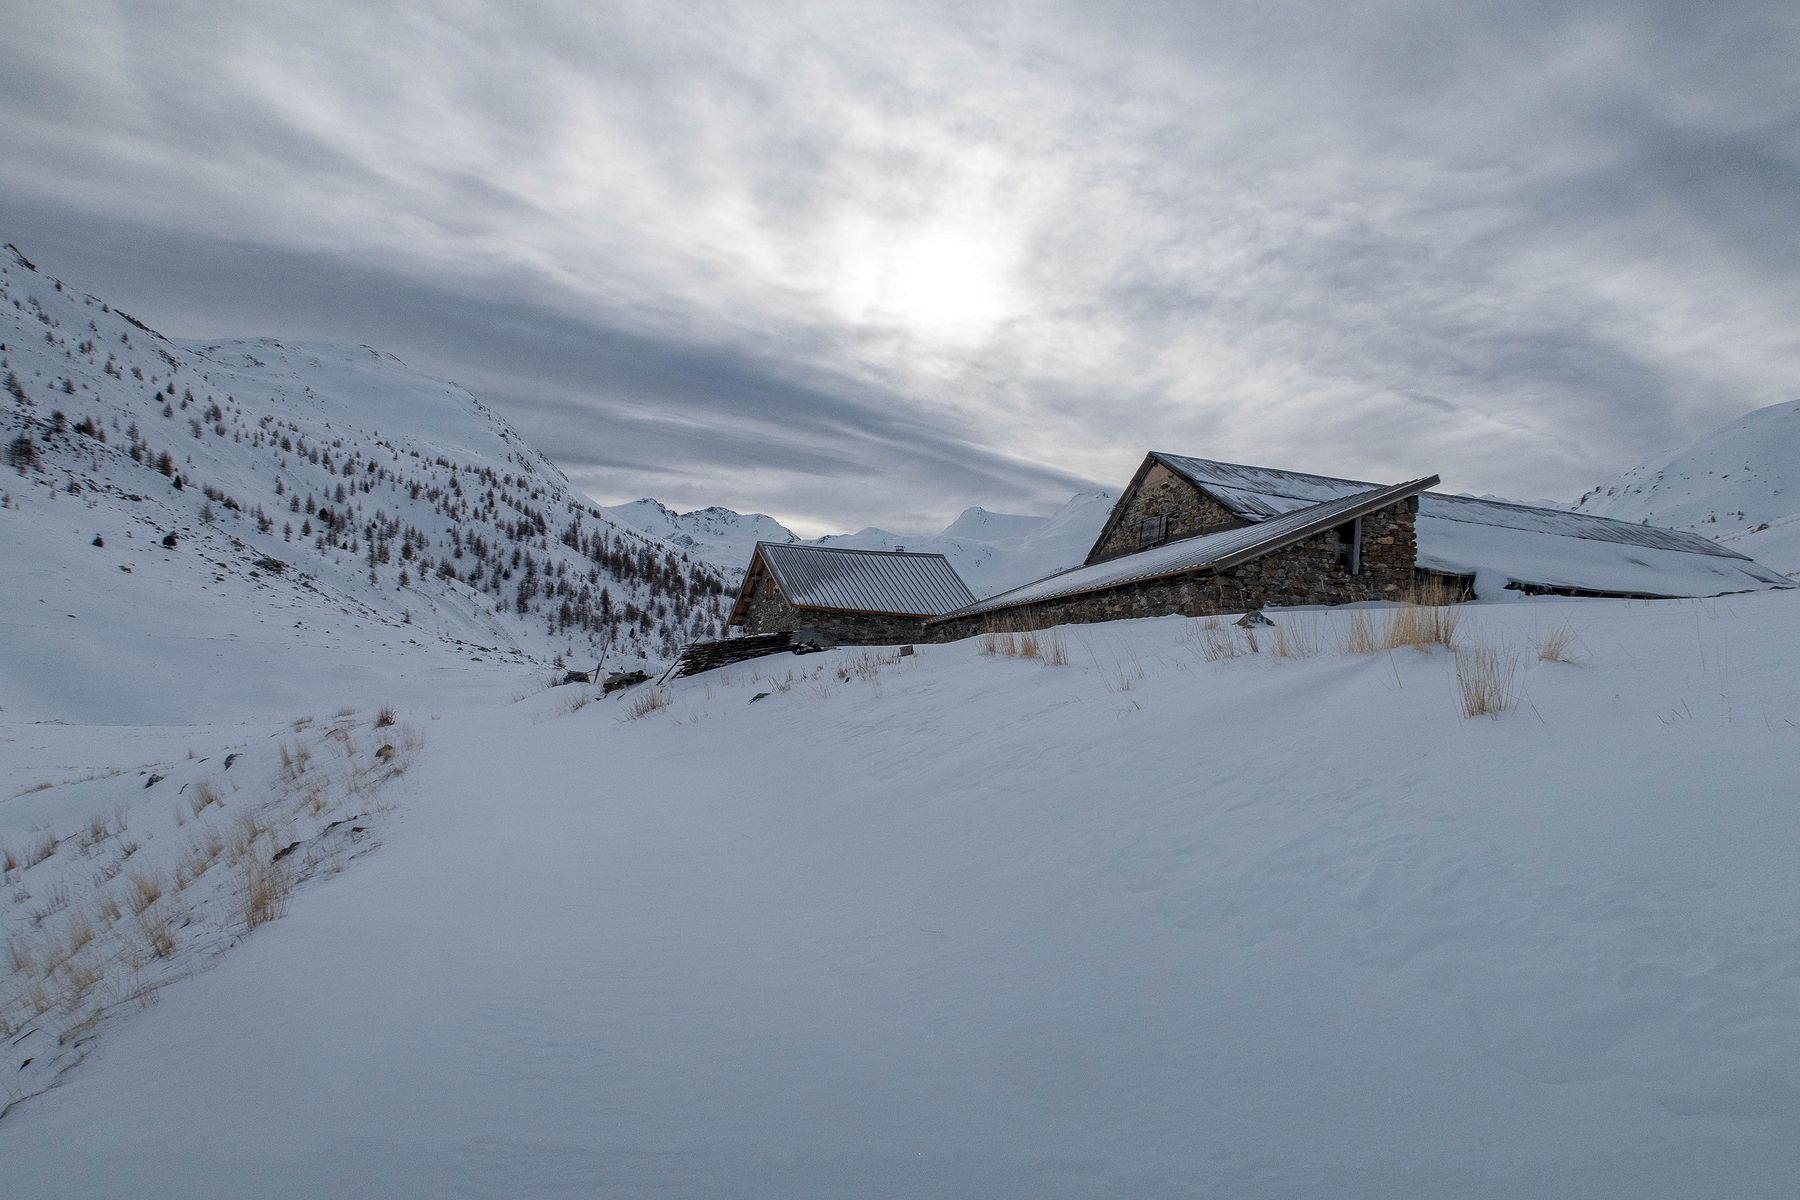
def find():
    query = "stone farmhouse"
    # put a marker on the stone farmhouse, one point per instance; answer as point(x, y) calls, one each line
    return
point(851, 597)
point(1168, 549)
point(1198, 537)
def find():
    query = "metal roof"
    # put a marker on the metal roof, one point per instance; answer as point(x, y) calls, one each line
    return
point(872, 581)
point(1208, 552)
point(1523, 542)
point(1257, 493)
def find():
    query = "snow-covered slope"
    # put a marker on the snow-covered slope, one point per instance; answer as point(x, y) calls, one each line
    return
point(1172, 919)
point(1739, 485)
point(218, 524)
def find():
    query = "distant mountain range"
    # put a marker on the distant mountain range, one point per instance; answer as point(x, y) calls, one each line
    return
point(991, 551)
point(1739, 485)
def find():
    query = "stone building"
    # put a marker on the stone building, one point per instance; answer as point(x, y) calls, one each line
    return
point(1467, 545)
point(1197, 536)
point(851, 597)
point(1164, 550)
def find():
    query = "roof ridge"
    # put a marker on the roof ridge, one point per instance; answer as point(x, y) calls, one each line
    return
point(851, 549)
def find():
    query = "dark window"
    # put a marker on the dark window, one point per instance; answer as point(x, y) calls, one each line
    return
point(1152, 530)
point(1347, 552)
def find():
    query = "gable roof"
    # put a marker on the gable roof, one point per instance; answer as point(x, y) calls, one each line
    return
point(1207, 553)
point(889, 582)
point(1532, 545)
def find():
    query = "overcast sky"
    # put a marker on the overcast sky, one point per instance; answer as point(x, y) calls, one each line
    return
point(859, 264)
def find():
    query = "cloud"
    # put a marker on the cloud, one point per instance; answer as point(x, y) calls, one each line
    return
point(872, 264)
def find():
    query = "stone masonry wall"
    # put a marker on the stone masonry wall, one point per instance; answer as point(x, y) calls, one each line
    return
point(773, 614)
point(1304, 573)
point(1163, 493)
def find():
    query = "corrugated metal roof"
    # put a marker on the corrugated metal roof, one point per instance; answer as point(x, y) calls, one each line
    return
point(876, 581)
point(1256, 493)
point(1208, 552)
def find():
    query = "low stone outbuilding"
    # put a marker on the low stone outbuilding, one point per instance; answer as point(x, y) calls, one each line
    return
point(851, 597)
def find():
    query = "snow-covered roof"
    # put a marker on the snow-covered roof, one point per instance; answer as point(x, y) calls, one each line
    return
point(1208, 552)
point(1528, 544)
point(872, 581)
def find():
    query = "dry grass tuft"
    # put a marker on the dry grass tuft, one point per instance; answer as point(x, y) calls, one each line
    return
point(77, 934)
point(865, 666)
point(19, 955)
point(1217, 641)
point(40, 850)
point(199, 859)
point(648, 701)
point(9, 862)
point(143, 889)
point(1359, 634)
point(266, 888)
point(1295, 638)
point(1041, 642)
point(1484, 680)
point(77, 980)
point(154, 932)
point(204, 794)
point(294, 762)
point(55, 901)
point(384, 718)
point(1558, 646)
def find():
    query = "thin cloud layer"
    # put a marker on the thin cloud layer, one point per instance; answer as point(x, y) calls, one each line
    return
point(870, 264)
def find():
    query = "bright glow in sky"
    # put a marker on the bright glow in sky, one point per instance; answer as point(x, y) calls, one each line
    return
point(873, 263)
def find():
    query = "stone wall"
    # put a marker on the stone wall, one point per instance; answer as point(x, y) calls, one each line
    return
point(773, 614)
point(1304, 573)
point(1189, 511)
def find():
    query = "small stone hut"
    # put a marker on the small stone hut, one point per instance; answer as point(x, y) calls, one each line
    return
point(852, 597)
point(1160, 553)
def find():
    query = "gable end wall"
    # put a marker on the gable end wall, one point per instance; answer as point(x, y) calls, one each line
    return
point(1163, 493)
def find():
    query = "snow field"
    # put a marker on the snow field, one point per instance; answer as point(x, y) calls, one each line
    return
point(119, 881)
point(1169, 917)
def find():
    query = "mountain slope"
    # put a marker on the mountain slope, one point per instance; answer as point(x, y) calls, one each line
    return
point(247, 499)
point(1739, 485)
